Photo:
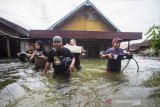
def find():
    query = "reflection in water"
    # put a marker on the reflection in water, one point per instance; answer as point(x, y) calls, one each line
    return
point(21, 86)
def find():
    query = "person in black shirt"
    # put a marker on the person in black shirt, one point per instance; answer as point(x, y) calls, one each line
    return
point(61, 58)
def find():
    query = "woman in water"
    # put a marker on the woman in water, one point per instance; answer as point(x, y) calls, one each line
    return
point(39, 56)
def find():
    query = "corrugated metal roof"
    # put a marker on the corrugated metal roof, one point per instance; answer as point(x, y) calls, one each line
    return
point(84, 4)
point(85, 34)
point(14, 26)
point(142, 44)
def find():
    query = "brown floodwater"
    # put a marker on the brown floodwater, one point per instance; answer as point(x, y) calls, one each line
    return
point(21, 86)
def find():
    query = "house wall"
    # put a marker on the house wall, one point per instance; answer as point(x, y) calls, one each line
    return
point(3, 47)
point(13, 44)
point(85, 20)
point(24, 45)
point(92, 47)
point(10, 44)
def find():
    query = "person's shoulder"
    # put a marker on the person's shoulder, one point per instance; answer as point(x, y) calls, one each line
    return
point(52, 51)
point(121, 49)
point(45, 52)
point(65, 49)
point(110, 49)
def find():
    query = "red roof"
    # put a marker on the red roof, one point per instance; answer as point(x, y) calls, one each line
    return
point(85, 34)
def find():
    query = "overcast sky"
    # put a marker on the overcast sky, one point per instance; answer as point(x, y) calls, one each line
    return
point(127, 15)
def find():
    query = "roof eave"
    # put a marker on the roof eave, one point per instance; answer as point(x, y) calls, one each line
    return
point(66, 16)
point(91, 4)
point(86, 3)
point(8, 23)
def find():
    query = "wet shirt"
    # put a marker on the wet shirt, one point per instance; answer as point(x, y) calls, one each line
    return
point(77, 59)
point(39, 53)
point(42, 52)
point(114, 64)
point(56, 58)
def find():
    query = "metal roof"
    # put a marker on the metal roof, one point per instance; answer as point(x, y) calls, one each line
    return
point(14, 26)
point(84, 4)
point(39, 34)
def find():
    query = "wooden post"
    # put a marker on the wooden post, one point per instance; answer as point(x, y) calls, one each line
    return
point(8, 48)
point(128, 45)
point(43, 42)
point(87, 51)
point(105, 47)
point(66, 40)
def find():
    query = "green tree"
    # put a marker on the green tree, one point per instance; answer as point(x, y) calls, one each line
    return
point(153, 38)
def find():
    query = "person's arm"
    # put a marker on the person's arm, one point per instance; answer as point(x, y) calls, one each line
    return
point(28, 55)
point(33, 56)
point(48, 63)
point(82, 50)
point(42, 56)
point(107, 56)
point(46, 55)
point(69, 54)
point(46, 68)
point(71, 67)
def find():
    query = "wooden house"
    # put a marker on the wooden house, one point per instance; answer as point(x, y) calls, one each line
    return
point(88, 26)
point(13, 38)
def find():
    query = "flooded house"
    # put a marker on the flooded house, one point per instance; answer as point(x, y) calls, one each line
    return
point(13, 38)
point(141, 46)
point(92, 30)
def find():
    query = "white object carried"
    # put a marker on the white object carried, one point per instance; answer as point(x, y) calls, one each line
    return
point(74, 49)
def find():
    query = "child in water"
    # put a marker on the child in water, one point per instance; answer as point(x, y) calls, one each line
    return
point(25, 56)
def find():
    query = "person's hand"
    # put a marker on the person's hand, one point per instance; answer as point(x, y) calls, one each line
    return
point(18, 54)
point(35, 53)
point(42, 56)
point(71, 68)
point(109, 56)
point(103, 56)
point(43, 73)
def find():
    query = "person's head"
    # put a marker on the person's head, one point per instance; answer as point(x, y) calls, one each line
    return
point(57, 42)
point(116, 42)
point(30, 48)
point(72, 42)
point(38, 45)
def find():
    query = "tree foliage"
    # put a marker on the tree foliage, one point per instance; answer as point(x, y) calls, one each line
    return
point(153, 35)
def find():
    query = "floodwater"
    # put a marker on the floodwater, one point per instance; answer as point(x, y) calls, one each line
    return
point(21, 86)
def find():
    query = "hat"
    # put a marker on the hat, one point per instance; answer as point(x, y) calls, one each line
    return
point(57, 39)
point(116, 40)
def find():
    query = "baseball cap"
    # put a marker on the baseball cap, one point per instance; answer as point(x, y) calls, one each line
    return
point(116, 40)
point(57, 39)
